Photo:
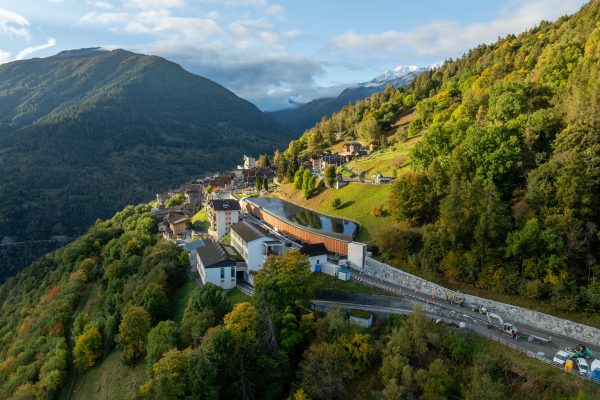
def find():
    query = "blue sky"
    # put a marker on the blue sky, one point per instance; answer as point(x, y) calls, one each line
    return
point(270, 51)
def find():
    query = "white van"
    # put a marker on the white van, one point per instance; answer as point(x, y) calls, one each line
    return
point(561, 357)
point(582, 366)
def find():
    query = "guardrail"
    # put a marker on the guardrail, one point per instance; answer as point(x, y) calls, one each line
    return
point(365, 279)
point(531, 354)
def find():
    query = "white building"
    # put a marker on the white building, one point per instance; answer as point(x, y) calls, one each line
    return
point(254, 245)
point(249, 162)
point(223, 214)
point(317, 253)
point(217, 265)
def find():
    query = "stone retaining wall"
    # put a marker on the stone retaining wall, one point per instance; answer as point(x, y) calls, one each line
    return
point(537, 319)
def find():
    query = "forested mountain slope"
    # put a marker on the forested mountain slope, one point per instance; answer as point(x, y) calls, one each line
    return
point(503, 187)
point(85, 132)
point(501, 193)
point(105, 317)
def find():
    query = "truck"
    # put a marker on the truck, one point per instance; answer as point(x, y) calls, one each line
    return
point(506, 328)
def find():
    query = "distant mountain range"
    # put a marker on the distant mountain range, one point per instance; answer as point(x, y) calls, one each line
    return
point(85, 132)
point(305, 116)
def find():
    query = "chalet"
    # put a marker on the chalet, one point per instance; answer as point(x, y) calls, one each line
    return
point(219, 181)
point(313, 162)
point(222, 214)
point(351, 151)
point(351, 147)
point(329, 159)
point(177, 224)
point(186, 209)
point(217, 264)
point(254, 244)
point(194, 194)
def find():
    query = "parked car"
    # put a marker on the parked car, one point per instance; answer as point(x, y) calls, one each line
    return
point(561, 357)
point(582, 366)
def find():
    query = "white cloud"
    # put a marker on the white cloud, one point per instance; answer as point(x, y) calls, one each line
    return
point(155, 4)
point(239, 3)
point(247, 53)
point(449, 38)
point(269, 81)
point(259, 33)
point(276, 10)
point(162, 22)
point(30, 50)
point(102, 4)
point(13, 24)
point(99, 18)
point(4, 56)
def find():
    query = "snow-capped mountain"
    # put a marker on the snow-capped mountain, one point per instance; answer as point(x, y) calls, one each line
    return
point(304, 116)
point(399, 76)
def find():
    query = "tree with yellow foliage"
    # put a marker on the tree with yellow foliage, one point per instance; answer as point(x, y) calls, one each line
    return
point(242, 321)
point(88, 348)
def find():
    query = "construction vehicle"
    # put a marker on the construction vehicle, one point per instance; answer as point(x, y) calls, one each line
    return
point(479, 308)
point(506, 328)
point(454, 298)
point(580, 351)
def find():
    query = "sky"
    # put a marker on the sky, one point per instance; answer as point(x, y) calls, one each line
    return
point(272, 52)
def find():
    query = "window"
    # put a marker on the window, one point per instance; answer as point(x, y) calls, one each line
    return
point(232, 274)
point(222, 274)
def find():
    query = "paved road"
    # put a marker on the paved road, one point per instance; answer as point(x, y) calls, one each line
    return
point(531, 349)
point(531, 339)
point(528, 334)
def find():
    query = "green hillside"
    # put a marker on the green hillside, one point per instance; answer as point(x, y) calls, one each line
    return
point(84, 133)
point(113, 315)
point(502, 190)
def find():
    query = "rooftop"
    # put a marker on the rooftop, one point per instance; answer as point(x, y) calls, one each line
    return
point(224, 204)
point(249, 231)
point(312, 250)
point(214, 254)
point(309, 220)
point(194, 245)
point(176, 218)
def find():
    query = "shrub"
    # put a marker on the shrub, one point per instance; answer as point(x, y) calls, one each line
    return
point(377, 212)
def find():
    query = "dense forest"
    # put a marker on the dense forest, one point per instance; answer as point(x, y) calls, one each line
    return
point(502, 190)
point(110, 291)
point(84, 133)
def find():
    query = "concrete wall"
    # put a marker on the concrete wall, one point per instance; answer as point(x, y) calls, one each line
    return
point(509, 312)
point(330, 269)
point(357, 254)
